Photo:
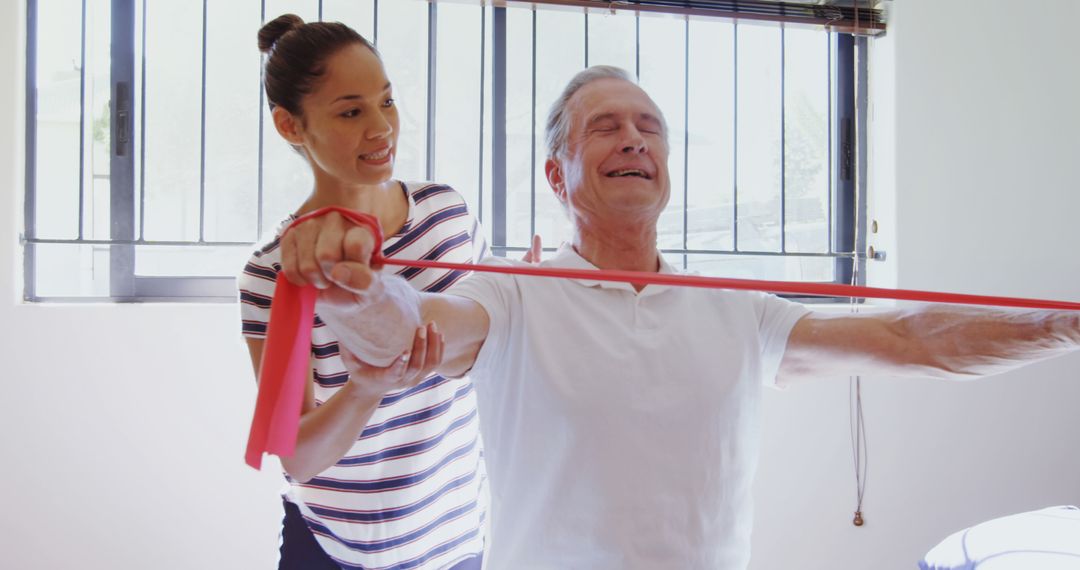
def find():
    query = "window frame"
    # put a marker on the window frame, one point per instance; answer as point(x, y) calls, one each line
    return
point(125, 285)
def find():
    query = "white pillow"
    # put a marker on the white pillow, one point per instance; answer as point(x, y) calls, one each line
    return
point(1048, 539)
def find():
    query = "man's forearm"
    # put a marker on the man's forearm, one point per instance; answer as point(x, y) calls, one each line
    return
point(964, 342)
point(376, 326)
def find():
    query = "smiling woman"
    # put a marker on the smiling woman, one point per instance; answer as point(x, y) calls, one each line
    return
point(387, 469)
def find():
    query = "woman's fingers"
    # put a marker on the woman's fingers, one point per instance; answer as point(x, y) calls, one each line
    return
point(289, 265)
point(412, 367)
point(436, 346)
point(419, 354)
point(358, 244)
point(311, 250)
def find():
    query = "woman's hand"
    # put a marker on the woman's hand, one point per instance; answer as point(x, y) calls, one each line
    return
point(408, 370)
point(311, 249)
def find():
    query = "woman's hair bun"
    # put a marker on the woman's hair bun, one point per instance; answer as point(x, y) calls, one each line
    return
point(274, 29)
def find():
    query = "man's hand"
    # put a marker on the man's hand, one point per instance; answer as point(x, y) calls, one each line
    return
point(312, 249)
point(408, 370)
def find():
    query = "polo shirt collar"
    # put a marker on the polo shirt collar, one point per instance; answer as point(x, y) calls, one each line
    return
point(568, 258)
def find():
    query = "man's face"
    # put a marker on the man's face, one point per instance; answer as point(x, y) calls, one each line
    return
point(614, 166)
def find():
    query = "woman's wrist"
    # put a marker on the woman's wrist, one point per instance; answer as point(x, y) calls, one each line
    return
point(363, 392)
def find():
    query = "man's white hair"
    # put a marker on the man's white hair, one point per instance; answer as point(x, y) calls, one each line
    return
point(557, 132)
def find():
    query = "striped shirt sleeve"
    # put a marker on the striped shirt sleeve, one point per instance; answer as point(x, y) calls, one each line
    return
point(256, 285)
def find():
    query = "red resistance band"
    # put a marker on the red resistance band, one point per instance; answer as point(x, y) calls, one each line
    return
point(287, 350)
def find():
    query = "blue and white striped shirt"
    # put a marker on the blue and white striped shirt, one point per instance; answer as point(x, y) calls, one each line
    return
point(411, 492)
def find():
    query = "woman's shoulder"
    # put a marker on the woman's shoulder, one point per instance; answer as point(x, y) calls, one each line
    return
point(421, 192)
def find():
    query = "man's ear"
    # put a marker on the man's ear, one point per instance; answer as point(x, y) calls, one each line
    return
point(555, 179)
point(288, 126)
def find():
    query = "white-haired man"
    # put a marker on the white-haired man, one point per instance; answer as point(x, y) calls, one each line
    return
point(621, 421)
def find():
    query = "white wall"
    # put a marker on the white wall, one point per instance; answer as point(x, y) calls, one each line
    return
point(123, 426)
point(976, 139)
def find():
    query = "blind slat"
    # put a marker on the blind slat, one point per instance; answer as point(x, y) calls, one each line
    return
point(843, 19)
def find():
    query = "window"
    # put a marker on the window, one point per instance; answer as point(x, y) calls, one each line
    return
point(153, 165)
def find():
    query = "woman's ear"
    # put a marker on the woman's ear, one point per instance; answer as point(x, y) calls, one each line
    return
point(288, 126)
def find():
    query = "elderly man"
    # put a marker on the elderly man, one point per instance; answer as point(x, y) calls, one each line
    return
point(621, 421)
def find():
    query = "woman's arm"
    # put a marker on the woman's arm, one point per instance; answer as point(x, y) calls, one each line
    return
point(328, 431)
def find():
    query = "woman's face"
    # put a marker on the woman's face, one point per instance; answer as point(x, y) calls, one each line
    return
point(350, 123)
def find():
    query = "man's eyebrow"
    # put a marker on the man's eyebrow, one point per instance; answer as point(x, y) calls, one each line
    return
point(652, 118)
point(606, 116)
point(358, 97)
point(601, 117)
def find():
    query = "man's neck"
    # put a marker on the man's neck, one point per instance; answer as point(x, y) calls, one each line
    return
point(625, 248)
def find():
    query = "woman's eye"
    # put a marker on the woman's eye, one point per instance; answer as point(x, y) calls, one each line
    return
point(351, 113)
point(388, 103)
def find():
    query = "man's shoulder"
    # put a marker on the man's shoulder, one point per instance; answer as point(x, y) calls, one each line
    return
point(482, 284)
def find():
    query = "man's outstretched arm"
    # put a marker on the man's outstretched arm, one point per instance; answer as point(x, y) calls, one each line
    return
point(931, 341)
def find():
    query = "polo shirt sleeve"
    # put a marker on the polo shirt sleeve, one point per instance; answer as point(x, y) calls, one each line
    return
point(500, 297)
point(776, 317)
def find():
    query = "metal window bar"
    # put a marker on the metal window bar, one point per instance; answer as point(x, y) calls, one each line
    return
point(498, 127)
point(82, 119)
point(532, 139)
point(830, 127)
point(735, 135)
point(142, 130)
point(433, 19)
point(122, 164)
point(783, 141)
point(861, 86)
point(30, 203)
point(262, 133)
point(586, 39)
point(845, 182)
point(483, 74)
point(686, 143)
point(718, 252)
point(637, 45)
point(202, 132)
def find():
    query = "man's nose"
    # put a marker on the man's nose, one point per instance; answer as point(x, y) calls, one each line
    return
point(634, 143)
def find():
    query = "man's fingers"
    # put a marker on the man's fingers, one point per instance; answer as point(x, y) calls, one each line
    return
point(535, 251)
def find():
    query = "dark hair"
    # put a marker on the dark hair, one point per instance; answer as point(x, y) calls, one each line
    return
point(296, 54)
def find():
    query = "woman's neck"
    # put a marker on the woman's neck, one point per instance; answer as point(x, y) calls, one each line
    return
point(384, 200)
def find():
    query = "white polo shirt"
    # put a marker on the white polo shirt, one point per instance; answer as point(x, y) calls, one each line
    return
point(621, 428)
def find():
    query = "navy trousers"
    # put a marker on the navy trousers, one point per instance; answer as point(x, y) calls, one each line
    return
point(300, 550)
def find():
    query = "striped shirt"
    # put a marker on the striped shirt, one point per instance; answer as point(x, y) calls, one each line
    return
point(411, 492)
